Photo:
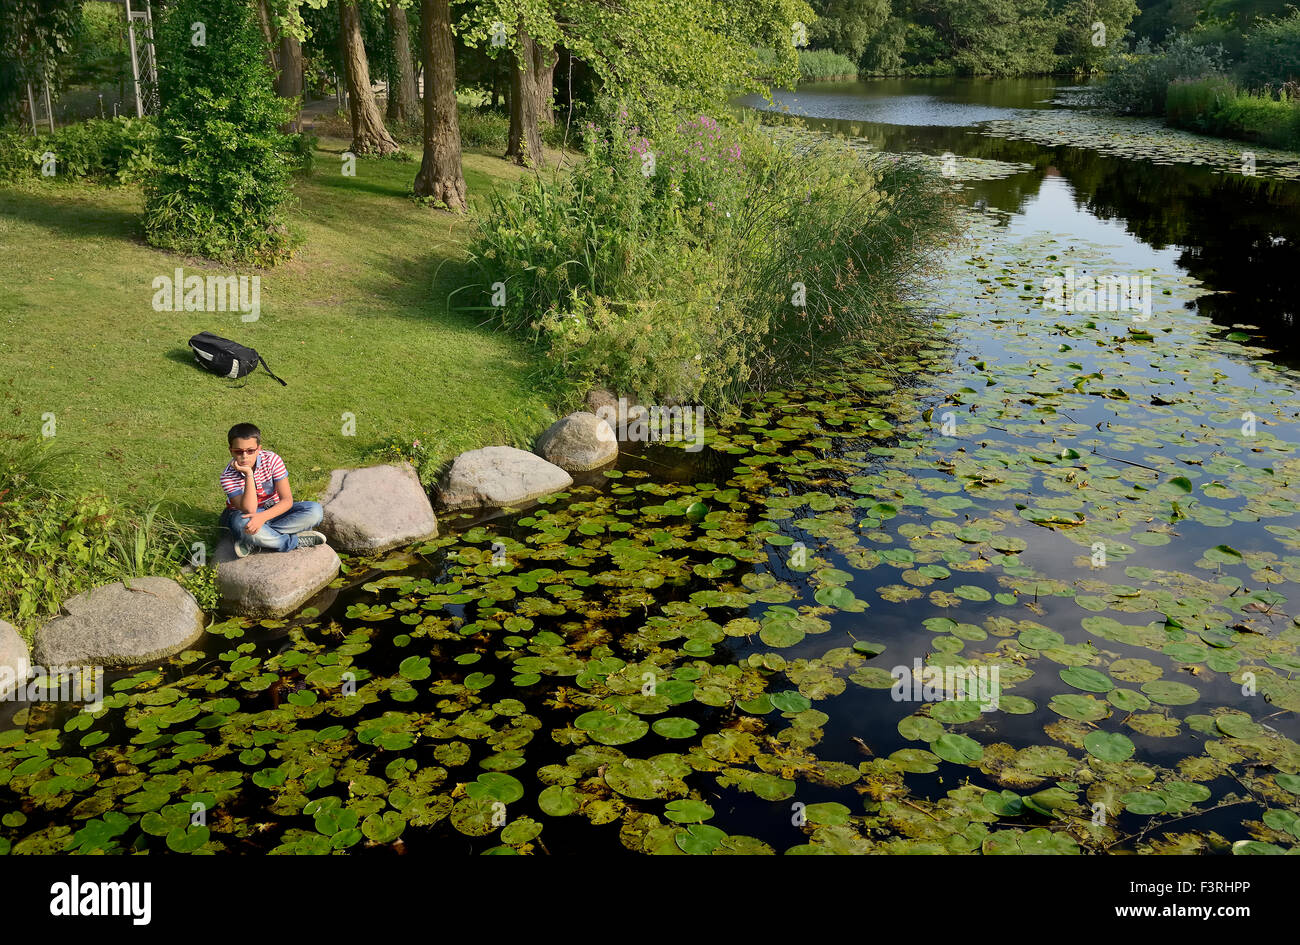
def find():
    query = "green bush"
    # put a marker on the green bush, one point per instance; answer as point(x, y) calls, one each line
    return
point(1137, 83)
point(55, 545)
point(222, 182)
point(1271, 55)
point(1194, 103)
point(814, 64)
point(680, 283)
point(112, 150)
point(1274, 122)
point(1215, 106)
point(483, 128)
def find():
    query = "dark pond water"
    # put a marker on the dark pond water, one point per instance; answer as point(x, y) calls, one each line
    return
point(1096, 510)
point(1238, 234)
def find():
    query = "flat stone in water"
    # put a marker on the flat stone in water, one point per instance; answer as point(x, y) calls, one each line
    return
point(497, 476)
point(375, 508)
point(14, 663)
point(272, 583)
point(121, 624)
point(579, 442)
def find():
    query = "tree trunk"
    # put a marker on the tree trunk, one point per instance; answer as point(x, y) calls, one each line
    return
point(268, 35)
point(440, 175)
point(369, 136)
point(289, 83)
point(403, 101)
point(544, 61)
point(525, 144)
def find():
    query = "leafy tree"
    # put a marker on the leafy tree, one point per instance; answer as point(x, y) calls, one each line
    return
point(369, 135)
point(403, 98)
point(221, 182)
point(993, 37)
point(1158, 17)
point(1242, 14)
point(847, 26)
point(1090, 29)
point(35, 33)
point(440, 177)
point(664, 56)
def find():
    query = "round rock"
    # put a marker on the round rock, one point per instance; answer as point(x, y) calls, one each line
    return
point(375, 508)
point(272, 583)
point(497, 476)
point(579, 442)
point(14, 665)
point(121, 624)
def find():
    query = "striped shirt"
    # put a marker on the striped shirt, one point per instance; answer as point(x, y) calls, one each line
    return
point(268, 470)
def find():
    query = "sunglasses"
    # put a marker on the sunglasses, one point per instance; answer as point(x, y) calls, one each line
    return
point(243, 452)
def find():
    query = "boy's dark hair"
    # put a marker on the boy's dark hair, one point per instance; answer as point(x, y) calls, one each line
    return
point(244, 431)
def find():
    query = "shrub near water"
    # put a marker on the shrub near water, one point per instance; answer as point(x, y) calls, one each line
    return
point(815, 64)
point(1216, 106)
point(222, 179)
point(54, 545)
point(706, 262)
point(1137, 84)
point(110, 150)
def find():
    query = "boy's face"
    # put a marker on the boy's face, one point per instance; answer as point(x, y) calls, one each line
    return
point(245, 451)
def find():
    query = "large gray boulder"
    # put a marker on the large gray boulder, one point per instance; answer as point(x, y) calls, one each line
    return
point(497, 476)
point(272, 583)
point(579, 442)
point(375, 508)
point(15, 667)
point(121, 624)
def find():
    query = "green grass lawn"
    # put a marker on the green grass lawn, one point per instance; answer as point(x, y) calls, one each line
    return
point(357, 323)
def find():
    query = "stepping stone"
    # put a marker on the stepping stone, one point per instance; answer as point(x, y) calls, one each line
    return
point(121, 624)
point(497, 476)
point(272, 583)
point(15, 665)
point(579, 442)
point(375, 508)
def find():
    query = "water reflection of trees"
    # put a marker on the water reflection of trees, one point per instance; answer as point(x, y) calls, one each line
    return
point(1239, 235)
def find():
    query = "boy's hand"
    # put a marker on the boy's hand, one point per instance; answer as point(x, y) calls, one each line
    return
point(254, 523)
point(244, 466)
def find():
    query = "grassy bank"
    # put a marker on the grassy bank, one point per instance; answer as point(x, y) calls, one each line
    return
point(354, 323)
point(1216, 106)
point(816, 65)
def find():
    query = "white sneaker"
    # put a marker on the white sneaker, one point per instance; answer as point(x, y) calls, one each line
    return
point(310, 539)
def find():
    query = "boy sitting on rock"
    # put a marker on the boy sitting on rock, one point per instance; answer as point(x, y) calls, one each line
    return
point(257, 494)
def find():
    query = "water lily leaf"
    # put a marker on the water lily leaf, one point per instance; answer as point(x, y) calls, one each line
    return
point(557, 800)
point(477, 817)
point(1143, 802)
point(688, 811)
point(1080, 708)
point(496, 785)
point(1109, 746)
point(385, 827)
point(675, 728)
point(643, 780)
point(520, 831)
point(1167, 692)
point(1087, 679)
point(187, 839)
point(958, 749)
point(612, 728)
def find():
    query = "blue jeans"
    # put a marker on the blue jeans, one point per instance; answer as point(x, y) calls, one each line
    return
point(281, 532)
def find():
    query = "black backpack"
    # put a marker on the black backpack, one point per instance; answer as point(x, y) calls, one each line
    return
point(225, 357)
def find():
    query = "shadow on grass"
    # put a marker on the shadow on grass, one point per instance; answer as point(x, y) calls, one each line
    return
point(70, 218)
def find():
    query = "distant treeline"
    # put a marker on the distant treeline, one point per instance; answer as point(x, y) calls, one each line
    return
point(972, 37)
point(1018, 37)
point(1237, 77)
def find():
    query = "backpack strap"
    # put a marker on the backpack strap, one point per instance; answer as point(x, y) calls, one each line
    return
point(266, 367)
